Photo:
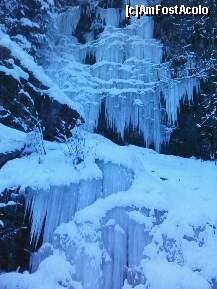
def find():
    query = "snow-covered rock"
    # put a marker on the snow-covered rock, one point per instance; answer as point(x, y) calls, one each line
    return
point(28, 95)
point(12, 143)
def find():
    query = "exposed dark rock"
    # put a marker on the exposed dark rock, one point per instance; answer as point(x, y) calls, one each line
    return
point(14, 234)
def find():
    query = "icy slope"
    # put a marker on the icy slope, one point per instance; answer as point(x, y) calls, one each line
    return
point(159, 231)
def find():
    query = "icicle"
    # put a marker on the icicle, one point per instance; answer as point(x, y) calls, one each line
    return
point(92, 109)
point(110, 51)
point(144, 115)
point(115, 178)
point(178, 90)
point(66, 22)
point(49, 208)
point(111, 16)
point(150, 49)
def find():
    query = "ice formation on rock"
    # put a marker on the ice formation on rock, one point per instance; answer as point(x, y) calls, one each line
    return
point(67, 21)
point(109, 16)
point(127, 238)
point(127, 76)
point(50, 207)
point(130, 80)
point(134, 235)
point(130, 239)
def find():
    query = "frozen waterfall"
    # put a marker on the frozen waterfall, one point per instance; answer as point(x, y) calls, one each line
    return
point(127, 76)
point(48, 208)
point(124, 233)
point(111, 224)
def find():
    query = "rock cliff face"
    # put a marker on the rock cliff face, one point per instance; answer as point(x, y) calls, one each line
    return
point(14, 234)
point(26, 21)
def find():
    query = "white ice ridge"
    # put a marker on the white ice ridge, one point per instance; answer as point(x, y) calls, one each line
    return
point(126, 74)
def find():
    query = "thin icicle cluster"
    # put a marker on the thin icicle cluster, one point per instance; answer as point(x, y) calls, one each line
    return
point(109, 16)
point(48, 208)
point(66, 22)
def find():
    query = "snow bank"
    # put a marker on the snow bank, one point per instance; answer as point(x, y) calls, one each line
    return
point(11, 139)
point(43, 279)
